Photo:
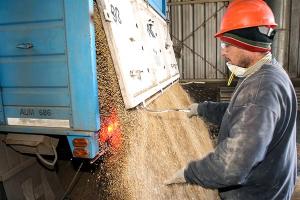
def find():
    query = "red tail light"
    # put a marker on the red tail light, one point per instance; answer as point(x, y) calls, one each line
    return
point(110, 131)
point(80, 142)
point(80, 152)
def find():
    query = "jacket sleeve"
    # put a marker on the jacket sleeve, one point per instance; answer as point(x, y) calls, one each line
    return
point(212, 111)
point(250, 134)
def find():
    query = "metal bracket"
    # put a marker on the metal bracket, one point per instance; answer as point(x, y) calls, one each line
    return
point(101, 153)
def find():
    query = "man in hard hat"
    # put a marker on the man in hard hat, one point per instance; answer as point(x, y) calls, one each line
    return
point(255, 157)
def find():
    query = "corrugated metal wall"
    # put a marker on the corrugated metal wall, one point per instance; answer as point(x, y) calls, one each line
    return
point(193, 25)
point(294, 40)
point(286, 47)
point(192, 29)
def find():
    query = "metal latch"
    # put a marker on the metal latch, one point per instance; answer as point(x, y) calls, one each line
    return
point(24, 46)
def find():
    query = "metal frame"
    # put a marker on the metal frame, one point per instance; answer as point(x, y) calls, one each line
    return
point(182, 42)
point(82, 53)
point(170, 3)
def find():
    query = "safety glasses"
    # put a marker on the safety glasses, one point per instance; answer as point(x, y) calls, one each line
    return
point(225, 45)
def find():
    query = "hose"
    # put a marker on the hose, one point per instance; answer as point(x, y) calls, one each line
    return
point(166, 110)
point(191, 82)
point(70, 186)
point(48, 164)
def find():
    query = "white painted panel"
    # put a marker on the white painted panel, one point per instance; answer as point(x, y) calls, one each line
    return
point(141, 47)
point(39, 122)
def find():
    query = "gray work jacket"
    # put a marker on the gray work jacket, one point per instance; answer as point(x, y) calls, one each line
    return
point(255, 157)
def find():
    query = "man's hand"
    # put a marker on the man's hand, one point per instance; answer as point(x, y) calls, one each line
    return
point(193, 110)
point(177, 178)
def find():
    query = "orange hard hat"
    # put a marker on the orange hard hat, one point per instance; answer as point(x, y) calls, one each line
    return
point(246, 13)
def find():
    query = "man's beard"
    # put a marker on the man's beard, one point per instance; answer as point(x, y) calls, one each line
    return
point(245, 62)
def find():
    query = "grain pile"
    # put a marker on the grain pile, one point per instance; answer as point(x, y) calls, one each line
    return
point(296, 195)
point(153, 146)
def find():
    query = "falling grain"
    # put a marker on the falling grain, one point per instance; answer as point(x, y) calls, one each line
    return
point(153, 145)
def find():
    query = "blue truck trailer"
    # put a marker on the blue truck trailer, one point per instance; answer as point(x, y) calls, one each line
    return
point(48, 81)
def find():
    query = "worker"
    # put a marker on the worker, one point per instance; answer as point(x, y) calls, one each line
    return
point(255, 156)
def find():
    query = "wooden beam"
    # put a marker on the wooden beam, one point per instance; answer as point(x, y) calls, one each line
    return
point(195, 2)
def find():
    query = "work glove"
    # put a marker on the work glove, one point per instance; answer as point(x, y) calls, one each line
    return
point(177, 178)
point(193, 110)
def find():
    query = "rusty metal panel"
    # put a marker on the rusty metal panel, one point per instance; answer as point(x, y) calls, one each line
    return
point(280, 46)
point(222, 69)
point(176, 33)
point(294, 53)
point(286, 45)
point(199, 38)
point(211, 40)
point(187, 54)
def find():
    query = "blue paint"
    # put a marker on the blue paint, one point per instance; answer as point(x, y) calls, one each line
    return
point(20, 11)
point(23, 96)
point(82, 65)
point(46, 39)
point(44, 130)
point(2, 121)
point(34, 71)
point(37, 112)
point(160, 6)
point(57, 74)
